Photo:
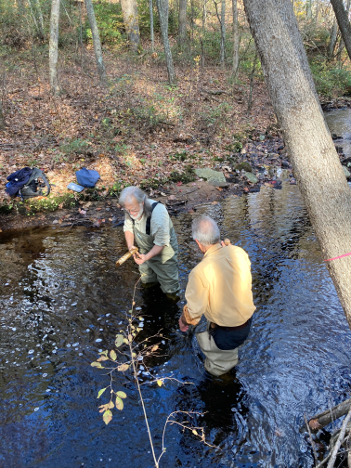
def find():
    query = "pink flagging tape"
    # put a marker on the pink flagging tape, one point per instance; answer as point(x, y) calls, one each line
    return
point(345, 255)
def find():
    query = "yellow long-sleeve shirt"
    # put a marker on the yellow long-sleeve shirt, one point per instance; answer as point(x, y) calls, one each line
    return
point(220, 287)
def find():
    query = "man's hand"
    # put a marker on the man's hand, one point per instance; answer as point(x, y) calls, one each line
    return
point(132, 247)
point(225, 242)
point(140, 258)
point(182, 327)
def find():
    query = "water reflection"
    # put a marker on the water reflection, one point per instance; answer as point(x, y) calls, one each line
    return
point(339, 123)
point(63, 299)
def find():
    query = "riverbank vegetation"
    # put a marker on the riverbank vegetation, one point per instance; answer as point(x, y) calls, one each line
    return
point(136, 127)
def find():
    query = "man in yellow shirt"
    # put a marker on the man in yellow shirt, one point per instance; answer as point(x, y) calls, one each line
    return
point(220, 287)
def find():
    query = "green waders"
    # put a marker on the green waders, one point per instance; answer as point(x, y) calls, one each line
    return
point(162, 268)
point(218, 361)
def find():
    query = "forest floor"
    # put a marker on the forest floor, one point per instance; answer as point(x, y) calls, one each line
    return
point(136, 131)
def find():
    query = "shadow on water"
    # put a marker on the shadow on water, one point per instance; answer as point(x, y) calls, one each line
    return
point(62, 300)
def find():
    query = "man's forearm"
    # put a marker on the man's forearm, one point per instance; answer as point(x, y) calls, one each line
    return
point(156, 250)
point(129, 239)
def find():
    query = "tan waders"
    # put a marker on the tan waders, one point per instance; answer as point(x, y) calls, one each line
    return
point(217, 361)
point(162, 268)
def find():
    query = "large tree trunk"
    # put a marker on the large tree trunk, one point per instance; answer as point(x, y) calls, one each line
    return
point(162, 6)
point(130, 18)
point(236, 39)
point(96, 40)
point(182, 22)
point(53, 45)
point(343, 22)
point(316, 164)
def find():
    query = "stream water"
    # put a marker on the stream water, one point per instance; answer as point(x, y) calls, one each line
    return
point(62, 300)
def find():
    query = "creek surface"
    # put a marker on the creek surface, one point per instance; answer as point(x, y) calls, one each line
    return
point(63, 300)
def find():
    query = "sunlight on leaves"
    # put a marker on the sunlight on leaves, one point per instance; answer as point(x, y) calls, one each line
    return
point(119, 340)
point(97, 364)
point(119, 403)
point(107, 416)
point(123, 367)
point(101, 392)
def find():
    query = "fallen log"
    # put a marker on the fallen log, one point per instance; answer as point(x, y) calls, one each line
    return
point(321, 420)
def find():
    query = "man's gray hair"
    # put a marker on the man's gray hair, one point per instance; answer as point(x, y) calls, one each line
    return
point(129, 194)
point(205, 230)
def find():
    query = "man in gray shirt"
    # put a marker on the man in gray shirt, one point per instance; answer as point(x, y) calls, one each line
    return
point(147, 224)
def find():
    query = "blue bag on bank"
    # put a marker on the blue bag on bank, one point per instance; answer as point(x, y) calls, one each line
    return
point(27, 183)
point(87, 177)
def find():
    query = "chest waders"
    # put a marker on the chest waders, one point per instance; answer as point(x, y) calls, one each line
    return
point(162, 268)
point(218, 361)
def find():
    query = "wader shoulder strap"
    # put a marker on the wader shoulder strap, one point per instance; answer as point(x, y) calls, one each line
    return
point(148, 220)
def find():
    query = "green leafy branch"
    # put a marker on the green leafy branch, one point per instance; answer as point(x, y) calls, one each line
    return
point(127, 356)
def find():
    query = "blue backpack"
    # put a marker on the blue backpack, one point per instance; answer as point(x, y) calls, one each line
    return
point(87, 177)
point(27, 183)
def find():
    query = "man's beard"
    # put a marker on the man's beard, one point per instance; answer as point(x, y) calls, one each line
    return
point(139, 215)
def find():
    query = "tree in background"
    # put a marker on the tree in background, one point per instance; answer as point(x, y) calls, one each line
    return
point(53, 45)
point(151, 13)
point(96, 41)
point(316, 164)
point(130, 18)
point(344, 24)
point(163, 7)
point(182, 22)
point(308, 10)
point(236, 37)
point(222, 53)
point(332, 41)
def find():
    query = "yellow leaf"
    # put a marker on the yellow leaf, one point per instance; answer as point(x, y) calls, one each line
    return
point(107, 416)
point(110, 405)
point(97, 364)
point(195, 432)
point(159, 383)
point(123, 367)
point(119, 340)
point(113, 355)
point(101, 392)
point(119, 403)
point(103, 358)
